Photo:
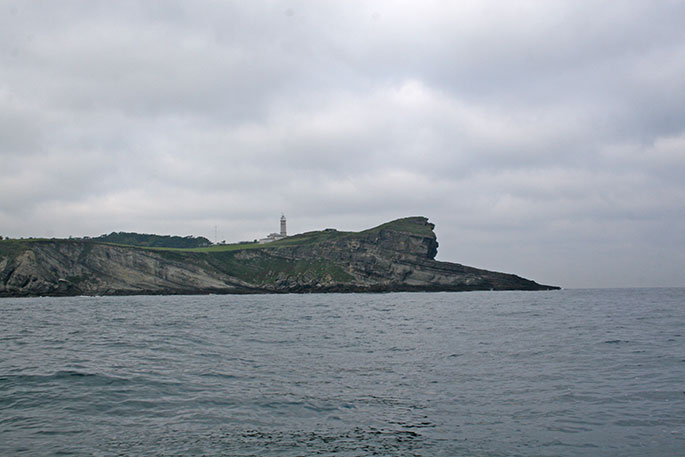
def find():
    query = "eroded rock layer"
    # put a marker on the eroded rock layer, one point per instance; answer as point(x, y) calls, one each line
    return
point(397, 256)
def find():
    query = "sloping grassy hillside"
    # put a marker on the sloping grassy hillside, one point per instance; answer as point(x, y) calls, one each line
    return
point(411, 225)
point(261, 268)
point(12, 248)
point(265, 269)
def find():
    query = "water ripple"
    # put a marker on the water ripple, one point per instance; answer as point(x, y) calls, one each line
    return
point(572, 373)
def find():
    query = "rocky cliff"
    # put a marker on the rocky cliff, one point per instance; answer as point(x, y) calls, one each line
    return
point(397, 256)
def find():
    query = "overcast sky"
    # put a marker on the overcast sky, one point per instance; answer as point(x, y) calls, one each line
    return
point(543, 138)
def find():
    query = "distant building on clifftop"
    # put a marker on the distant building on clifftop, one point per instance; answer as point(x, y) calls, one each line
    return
point(276, 236)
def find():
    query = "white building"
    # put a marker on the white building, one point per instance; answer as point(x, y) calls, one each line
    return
point(276, 236)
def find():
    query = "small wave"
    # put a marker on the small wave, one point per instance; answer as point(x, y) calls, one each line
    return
point(219, 375)
point(356, 441)
point(62, 376)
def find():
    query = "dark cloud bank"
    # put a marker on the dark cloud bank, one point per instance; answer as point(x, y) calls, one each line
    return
point(543, 138)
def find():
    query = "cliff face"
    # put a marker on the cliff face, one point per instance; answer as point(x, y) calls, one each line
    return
point(80, 268)
point(396, 256)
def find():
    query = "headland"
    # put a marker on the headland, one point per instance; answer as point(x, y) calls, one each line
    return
point(395, 256)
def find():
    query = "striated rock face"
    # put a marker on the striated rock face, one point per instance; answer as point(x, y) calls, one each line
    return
point(80, 268)
point(397, 256)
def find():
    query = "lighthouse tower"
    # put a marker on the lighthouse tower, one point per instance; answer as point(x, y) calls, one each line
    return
point(283, 230)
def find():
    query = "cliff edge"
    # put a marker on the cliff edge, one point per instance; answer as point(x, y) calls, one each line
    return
point(396, 256)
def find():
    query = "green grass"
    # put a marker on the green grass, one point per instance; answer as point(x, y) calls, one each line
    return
point(406, 225)
point(295, 240)
point(12, 248)
point(267, 269)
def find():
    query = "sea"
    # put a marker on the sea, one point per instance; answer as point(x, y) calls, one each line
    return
point(555, 373)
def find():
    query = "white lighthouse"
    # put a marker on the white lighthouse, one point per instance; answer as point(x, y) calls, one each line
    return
point(276, 236)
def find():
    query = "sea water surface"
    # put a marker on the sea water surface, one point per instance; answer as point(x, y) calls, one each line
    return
point(558, 373)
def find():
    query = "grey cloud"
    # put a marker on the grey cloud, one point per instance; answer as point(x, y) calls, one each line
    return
point(540, 136)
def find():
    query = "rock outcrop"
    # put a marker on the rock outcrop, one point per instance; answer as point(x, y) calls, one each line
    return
point(397, 256)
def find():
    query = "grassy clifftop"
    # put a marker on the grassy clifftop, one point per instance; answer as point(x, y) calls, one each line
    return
point(416, 225)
